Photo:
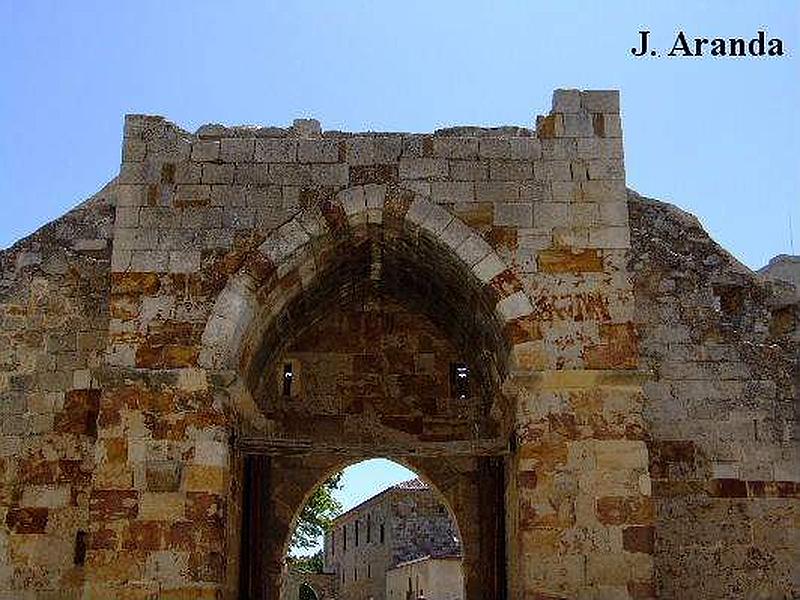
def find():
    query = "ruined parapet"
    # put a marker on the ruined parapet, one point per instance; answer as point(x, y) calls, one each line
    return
point(722, 345)
point(783, 267)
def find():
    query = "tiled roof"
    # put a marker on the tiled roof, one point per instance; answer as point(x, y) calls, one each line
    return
point(411, 484)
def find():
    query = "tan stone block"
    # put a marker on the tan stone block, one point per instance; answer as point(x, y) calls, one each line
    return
point(213, 453)
point(192, 380)
point(204, 478)
point(162, 506)
point(621, 454)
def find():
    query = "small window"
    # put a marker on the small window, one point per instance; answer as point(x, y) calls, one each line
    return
point(369, 529)
point(459, 380)
point(80, 548)
point(288, 376)
point(356, 534)
point(382, 536)
point(344, 537)
point(369, 571)
point(333, 542)
point(355, 573)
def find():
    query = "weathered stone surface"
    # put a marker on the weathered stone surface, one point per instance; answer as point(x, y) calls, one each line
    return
point(635, 386)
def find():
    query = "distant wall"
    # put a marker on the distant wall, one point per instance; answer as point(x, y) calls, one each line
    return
point(437, 579)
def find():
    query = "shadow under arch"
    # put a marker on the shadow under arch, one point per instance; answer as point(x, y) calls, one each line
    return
point(435, 474)
point(380, 235)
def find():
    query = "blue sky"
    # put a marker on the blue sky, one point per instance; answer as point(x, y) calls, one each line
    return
point(718, 137)
point(365, 479)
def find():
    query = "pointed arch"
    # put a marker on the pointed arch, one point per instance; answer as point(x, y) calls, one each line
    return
point(396, 237)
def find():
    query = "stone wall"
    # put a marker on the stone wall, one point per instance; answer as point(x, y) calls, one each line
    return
point(722, 348)
point(421, 526)
point(431, 578)
point(370, 558)
point(54, 289)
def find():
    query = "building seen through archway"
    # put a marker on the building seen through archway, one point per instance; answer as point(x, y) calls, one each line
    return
point(399, 542)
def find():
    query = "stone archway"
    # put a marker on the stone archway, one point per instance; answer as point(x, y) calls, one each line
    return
point(382, 292)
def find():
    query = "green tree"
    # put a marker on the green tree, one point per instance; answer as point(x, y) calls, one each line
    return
point(307, 564)
point(317, 515)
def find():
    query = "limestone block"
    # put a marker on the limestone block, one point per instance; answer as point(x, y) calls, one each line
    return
point(192, 195)
point(159, 217)
point(603, 191)
point(528, 149)
point(46, 496)
point(236, 150)
point(202, 218)
point(82, 379)
point(133, 150)
point(437, 220)
point(510, 170)
point(600, 101)
point(133, 173)
point(488, 267)
point(312, 222)
point(547, 215)
point(455, 147)
point(211, 453)
point(473, 249)
point(595, 147)
point(613, 213)
point(285, 241)
point(178, 239)
point(578, 125)
point(184, 261)
point(214, 173)
point(149, 261)
point(353, 201)
point(323, 150)
point(418, 210)
point(127, 216)
point(329, 174)
point(167, 567)
point(131, 195)
point(375, 196)
point(496, 191)
point(514, 306)
point(161, 506)
point(566, 101)
point(192, 380)
point(254, 174)
point(609, 237)
point(454, 233)
point(584, 214)
point(514, 215)
point(605, 168)
point(279, 150)
point(463, 170)
point(452, 192)
point(306, 128)
point(205, 150)
point(205, 478)
point(553, 170)
point(423, 168)
point(613, 125)
point(373, 150)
